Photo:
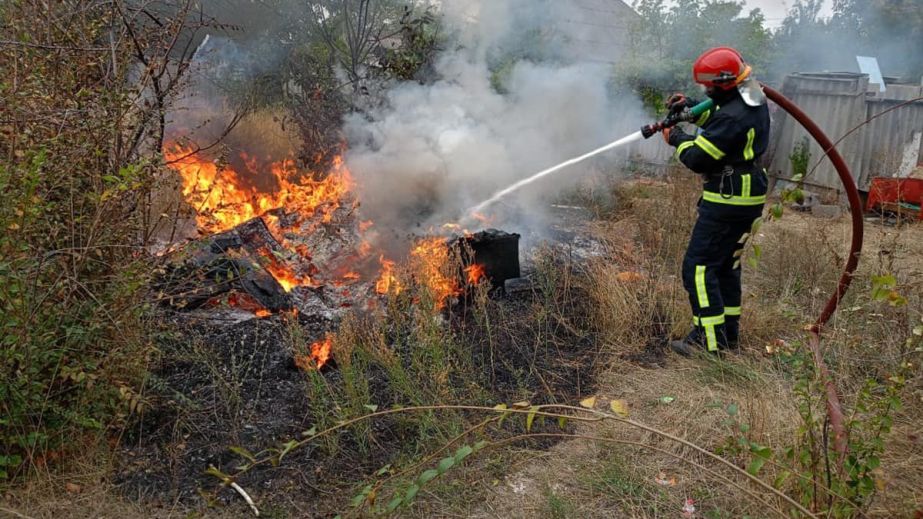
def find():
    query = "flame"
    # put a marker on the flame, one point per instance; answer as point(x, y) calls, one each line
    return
point(387, 282)
point(288, 279)
point(225, 196)
point(223, 199)
point(432, 257)
point(320, 355)
point(474, 273)
point(262, 312)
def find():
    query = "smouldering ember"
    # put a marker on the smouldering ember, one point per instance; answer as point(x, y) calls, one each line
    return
point(474, 274)
point(319, 355)
point(286, 277)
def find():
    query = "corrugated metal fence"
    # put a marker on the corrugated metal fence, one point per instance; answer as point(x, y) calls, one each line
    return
point(889, 146)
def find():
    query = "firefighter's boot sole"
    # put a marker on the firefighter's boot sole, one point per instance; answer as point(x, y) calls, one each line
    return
point(684, 348)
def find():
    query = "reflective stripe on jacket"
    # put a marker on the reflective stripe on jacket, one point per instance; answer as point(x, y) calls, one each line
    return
point(732, 137)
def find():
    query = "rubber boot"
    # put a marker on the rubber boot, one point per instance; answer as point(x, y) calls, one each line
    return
point(689, 345)
point(695, 341)
point(732, 332)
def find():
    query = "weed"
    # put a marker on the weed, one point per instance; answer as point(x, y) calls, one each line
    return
point(558, 507)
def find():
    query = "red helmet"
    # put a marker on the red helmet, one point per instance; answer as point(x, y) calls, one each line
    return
point(721, 67)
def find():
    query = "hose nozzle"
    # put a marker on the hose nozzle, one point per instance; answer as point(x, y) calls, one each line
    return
point(687, 115)
point(649, 130)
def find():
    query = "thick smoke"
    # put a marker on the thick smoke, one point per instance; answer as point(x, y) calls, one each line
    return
point(433, 150)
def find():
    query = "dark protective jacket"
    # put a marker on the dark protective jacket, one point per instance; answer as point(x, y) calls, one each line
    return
point(733, 136)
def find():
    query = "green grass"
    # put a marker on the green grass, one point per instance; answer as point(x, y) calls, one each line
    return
point(558, 506)
point(626, 489)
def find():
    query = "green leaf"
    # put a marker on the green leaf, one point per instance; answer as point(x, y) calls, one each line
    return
point(781, 479)
point(562, 422)
point(872, 463)
point(242, 452)
point(755, 465)
point(776, 211)
point(411, 493)
point(667, 399)
point(396, 502)
point(213, 471)
point(531, 417)
point(310, 432)
point(445, 464)
point(501, 407)
point(480, 445)
point(289, 445)
point(357, 501)
point(757, 251)
point(384, 470)
point(427, 476)
point(732, 409)
point(463, 452)
point(371, 407)
point(761, 456)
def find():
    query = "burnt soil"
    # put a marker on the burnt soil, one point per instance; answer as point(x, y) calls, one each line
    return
point(221, 384)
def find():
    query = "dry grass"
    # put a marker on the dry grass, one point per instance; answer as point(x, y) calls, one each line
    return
point(639, 301)
point(790, 284)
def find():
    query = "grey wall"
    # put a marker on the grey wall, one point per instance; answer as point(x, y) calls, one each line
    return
point(889, 146)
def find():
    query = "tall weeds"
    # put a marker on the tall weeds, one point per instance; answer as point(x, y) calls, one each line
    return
point(73, 211)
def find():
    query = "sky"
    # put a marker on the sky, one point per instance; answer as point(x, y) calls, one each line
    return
point(775, 10)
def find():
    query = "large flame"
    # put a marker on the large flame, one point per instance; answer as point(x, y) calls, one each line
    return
point(222, 197)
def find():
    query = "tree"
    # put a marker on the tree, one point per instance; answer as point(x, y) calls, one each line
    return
point(667, 41)
point(891, 30)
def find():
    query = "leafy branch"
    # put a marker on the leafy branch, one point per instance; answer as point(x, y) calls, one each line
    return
point(562, 413)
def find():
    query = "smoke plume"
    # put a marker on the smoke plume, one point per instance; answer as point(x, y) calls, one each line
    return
point(490, 118)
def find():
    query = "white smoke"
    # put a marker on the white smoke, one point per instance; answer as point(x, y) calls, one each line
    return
point(434, 150)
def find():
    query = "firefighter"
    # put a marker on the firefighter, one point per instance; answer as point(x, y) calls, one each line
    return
point(729, 140)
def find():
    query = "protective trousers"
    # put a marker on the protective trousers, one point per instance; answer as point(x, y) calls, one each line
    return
point(711, 276)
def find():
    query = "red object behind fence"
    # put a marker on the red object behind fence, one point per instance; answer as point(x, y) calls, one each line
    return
point(896, 194)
